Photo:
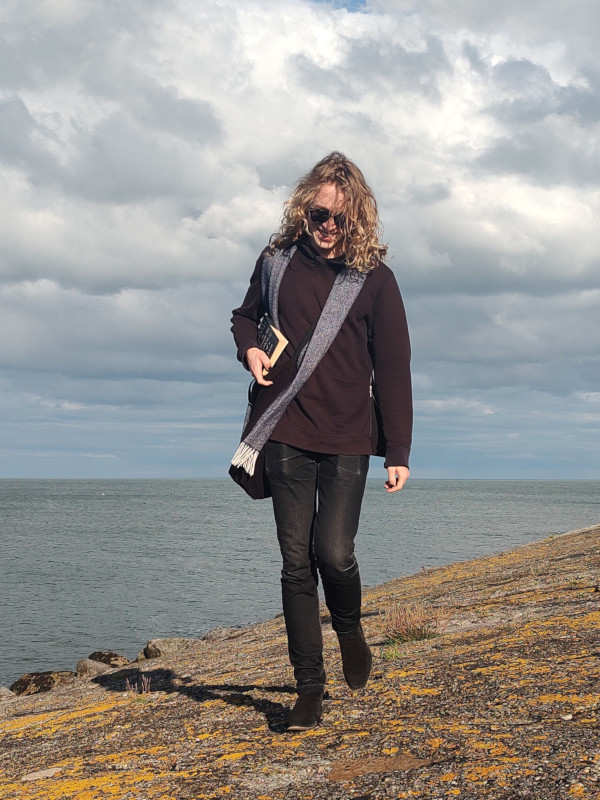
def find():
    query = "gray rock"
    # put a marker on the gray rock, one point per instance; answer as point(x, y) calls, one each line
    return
point(152, 650)
point(5, 693)
point(86, 668)
point(221, 634)
point(110, 658)
point(42, 775)
point(164, 647)
point(37, 682)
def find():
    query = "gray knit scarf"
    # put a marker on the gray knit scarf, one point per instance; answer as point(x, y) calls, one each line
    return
point(344, 292)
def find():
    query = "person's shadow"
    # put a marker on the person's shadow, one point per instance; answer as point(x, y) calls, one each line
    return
point(166, 680)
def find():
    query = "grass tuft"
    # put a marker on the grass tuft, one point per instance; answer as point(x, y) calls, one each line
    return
point(135, 688)
point(412, 622)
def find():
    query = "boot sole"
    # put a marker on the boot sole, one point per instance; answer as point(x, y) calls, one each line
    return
point(304, 727)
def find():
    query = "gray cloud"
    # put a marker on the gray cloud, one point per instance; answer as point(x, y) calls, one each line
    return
point(112, 159)
point(146, 151)
point(546, 21)
point(22, 137)
point(540, 155)
point(370, 65)
point(390, 67)
point(161, 108)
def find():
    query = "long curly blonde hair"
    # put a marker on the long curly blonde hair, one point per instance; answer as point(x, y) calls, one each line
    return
point(360, 229)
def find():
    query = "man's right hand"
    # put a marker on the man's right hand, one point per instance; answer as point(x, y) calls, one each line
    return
point(258, 360)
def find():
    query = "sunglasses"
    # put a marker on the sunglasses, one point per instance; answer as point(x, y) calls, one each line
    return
point(321, 215)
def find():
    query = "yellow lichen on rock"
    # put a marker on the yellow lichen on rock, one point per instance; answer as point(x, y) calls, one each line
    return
point(504, 703)
point(46, 724)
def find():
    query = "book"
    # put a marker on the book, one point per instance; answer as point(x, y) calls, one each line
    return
point(269, 339)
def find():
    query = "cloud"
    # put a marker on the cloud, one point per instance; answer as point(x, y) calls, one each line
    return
point(146, 151)
point(459, 405)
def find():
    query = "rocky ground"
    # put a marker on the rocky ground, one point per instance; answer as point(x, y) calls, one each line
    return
point(504, 703)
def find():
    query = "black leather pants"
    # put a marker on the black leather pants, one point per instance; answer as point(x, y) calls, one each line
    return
point(316, 500)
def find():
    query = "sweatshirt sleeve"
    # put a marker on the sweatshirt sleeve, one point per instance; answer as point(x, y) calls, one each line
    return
point(244, 319)
point(390, 351)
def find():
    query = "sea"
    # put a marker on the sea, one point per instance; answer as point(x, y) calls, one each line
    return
point(91, 565)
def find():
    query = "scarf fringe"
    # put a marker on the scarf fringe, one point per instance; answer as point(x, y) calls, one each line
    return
point(245, 457)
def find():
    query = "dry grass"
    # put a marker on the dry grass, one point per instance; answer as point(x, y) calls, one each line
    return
point(412, 622)
point(135, 688)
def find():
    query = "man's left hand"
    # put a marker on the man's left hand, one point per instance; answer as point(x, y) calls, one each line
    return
point(397, 477)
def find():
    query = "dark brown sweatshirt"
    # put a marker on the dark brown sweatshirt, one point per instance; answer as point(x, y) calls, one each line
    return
point(332, 411)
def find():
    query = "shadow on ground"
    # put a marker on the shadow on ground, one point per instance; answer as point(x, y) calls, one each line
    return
point(167, 680)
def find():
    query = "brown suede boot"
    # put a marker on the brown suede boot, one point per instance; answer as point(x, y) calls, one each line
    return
point(356, 658)
point(307, 711)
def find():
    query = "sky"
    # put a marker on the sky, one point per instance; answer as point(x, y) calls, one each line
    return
point(146, 149)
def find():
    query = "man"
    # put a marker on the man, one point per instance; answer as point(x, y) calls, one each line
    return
point(324, 428)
